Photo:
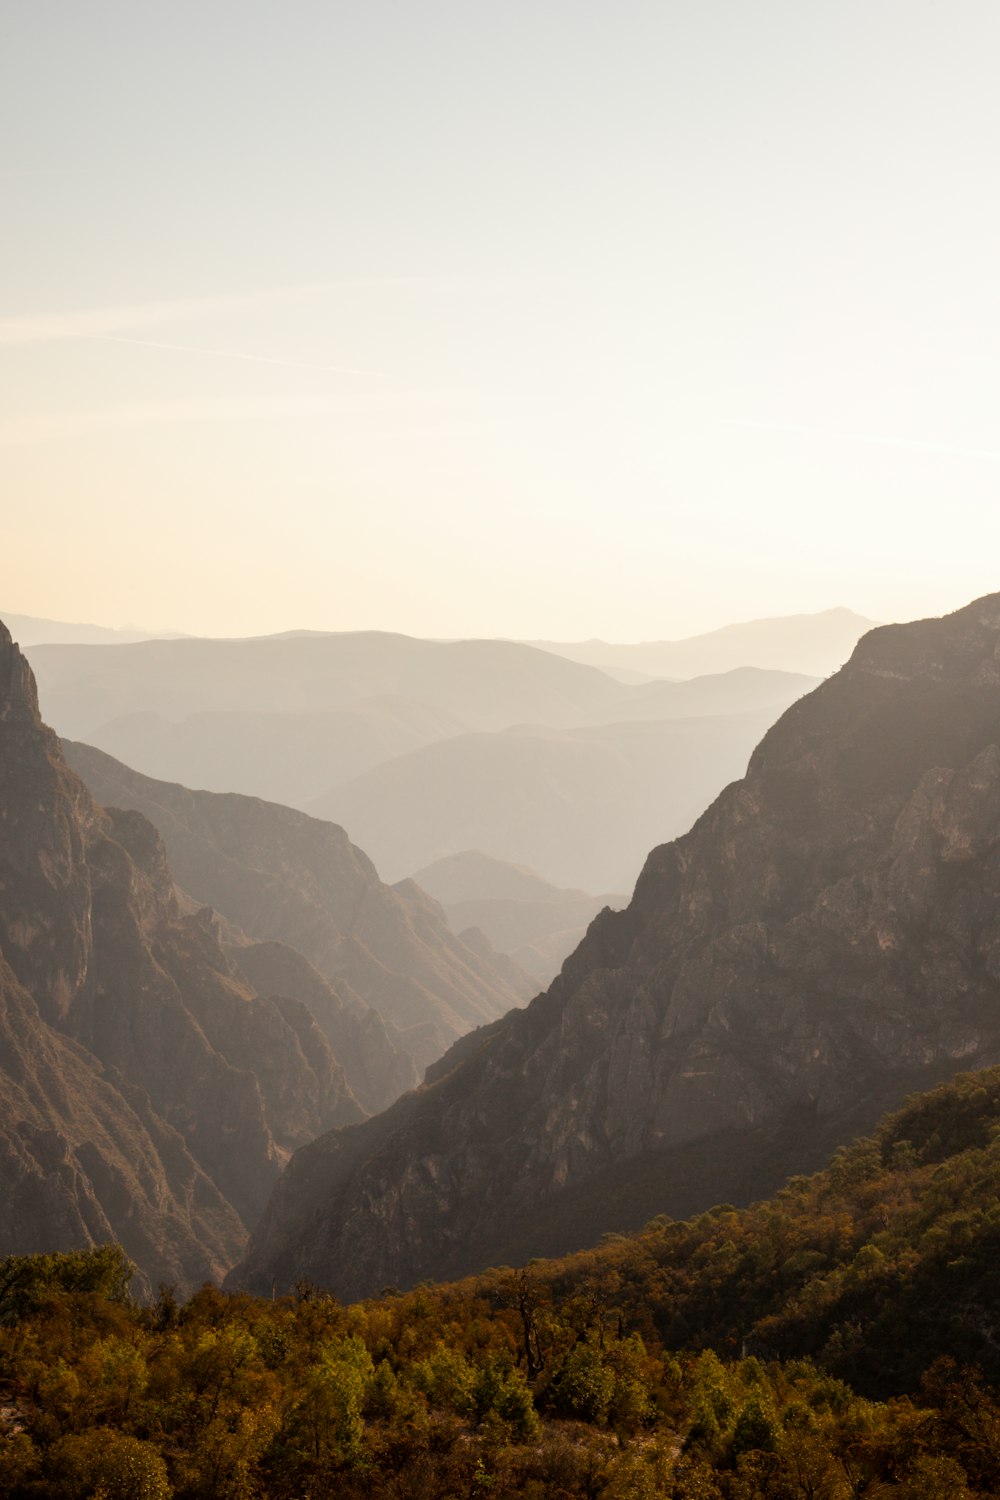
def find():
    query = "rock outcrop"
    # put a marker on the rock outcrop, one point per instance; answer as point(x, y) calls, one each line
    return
point(146, 1090)
point(824, 940)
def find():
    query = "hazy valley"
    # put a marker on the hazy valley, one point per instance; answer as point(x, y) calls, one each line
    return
point(229, 1047)
point(500, 752)
point(425, 749)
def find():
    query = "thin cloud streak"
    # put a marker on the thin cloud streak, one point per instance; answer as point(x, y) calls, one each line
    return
point(99, 322)
point(880, 439)
point(56, 427)
point(255, 359)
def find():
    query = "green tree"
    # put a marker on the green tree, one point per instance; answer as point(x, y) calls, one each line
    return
point(108, 1464)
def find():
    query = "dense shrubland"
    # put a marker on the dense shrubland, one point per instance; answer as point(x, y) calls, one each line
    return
point(820, 1346)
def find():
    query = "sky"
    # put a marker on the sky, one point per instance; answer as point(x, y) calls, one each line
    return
point(539, 318)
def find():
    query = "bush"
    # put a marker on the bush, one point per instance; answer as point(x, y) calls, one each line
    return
point(106, 1463)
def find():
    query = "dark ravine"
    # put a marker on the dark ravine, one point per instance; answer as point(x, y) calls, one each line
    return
point(147, 1092)
point(284, 877)
point(824, 940)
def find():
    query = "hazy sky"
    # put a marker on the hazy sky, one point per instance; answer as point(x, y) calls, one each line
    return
point(528, 317)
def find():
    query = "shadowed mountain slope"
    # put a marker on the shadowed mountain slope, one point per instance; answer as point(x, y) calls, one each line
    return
point(146, 1091)
point(284, 877)
point(374, 1055)
point(824, 940)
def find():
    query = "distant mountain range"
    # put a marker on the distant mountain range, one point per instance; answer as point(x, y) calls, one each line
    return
point(485, 685)
point(30, 630)
point(814, 644)
point(580, 806)
point(421, 748)
point(825, 940)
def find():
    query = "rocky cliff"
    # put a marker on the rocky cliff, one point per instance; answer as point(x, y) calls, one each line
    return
point(284, 877)
point(825, 939)
point(146, 1090)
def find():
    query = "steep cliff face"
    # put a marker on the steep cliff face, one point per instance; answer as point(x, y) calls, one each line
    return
point(84, 1159)
point(374, 1055)
point(284, 877)
point(142, 1082)
point(825, 939)
point(44, 812)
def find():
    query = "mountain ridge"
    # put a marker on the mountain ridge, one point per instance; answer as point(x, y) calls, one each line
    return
point(145, 1090)
point(823, 939)
point(813, 643)
point(285, 877)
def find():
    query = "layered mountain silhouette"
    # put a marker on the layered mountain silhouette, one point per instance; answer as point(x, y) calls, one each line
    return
point(823, 941)
point(484, 684)
point(299, 719)
point(290, 758)
point(522, 914)
point(580, 806)
point(147, 1092)
point(32, 630)
point(284, 878)
point(816, 644)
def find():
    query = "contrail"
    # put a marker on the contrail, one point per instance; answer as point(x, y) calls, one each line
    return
point(255, 359)
point(866, 437)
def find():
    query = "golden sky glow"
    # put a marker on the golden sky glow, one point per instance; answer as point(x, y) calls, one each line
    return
point(547, 319)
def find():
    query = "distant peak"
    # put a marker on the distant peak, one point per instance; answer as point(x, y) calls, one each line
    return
point(18, 694)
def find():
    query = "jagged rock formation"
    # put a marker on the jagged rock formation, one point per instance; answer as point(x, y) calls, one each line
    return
point(145, 1090)
point(824, 940)
point(284, 877)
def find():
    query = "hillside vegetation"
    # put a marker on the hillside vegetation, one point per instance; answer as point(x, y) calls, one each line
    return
point(818, 1345)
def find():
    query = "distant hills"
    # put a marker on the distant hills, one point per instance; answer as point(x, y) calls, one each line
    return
point(30, 630)
point(815, 644)
point(282, 756)
point(580, 806)
point(823, 941)
point(424, 748)
point(522, 914)
point(486, 685)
